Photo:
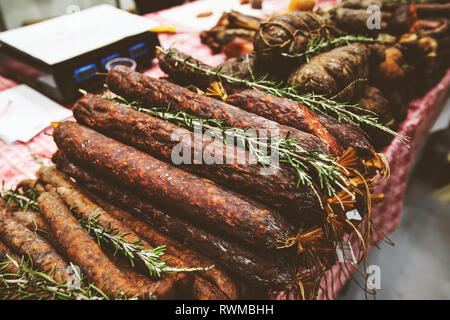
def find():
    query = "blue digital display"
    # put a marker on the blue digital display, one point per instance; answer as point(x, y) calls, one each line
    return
point(138, 50)
point(105, 60)
point(86, 72)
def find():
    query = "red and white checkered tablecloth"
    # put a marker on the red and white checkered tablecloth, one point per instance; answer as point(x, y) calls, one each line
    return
point(17, 161)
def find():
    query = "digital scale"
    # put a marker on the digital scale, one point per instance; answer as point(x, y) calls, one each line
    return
point(62, 55)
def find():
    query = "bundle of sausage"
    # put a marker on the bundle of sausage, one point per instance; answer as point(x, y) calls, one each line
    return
point(222, 224)
point(119, 164)
point(209, 217)
point(54, 239)
point(321, 75)
point(78, 248)
point(238, 216)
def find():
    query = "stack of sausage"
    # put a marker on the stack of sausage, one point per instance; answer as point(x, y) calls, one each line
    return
point(233, 213)
point(52, 237)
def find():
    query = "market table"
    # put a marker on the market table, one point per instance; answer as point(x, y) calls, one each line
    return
point(21, 160)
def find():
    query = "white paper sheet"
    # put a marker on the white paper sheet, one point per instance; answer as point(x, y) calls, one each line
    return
point(185, 16)
point(24, 112)
point(71, 35)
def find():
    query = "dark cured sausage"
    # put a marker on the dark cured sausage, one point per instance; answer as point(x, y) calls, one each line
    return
point(36, 223)
point(373, 100)
point(333, 73)
point(183, 74)
point(4, 250)
point(157, 92)
point(197, 198)
point(239, 261)
point(155, 136)
point(85, 207)
point(52, 176)
point(86, 253)
point(347, 135)
point(285, 112)
point(23, 241)
point(204, 290)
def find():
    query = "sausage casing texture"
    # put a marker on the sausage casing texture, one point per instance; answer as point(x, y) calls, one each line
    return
point(86, 253)
point(204, 290)
point(333, 73)
point(155, 136)
point(135, 86)
point(289, 32)
point(25, 242)
point(243, 67)
point(251, 267)
point(184, 75)
point(240, 261)
point(197, 198)
point(347, 135)
point(30, 219)
point(50, 175)
point(372, 99)
point(36, 223)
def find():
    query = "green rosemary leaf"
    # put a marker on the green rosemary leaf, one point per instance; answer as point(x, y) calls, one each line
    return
point(132, 250)
point(24, 199)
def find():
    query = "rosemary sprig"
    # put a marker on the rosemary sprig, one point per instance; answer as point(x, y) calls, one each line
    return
point(308, 165)
point(132, 250)
point(320, 44)
point(25, 200)
point(316, 102)
point(27, 282)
